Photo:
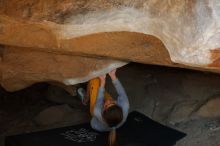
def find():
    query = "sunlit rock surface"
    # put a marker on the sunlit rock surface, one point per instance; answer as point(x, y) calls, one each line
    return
point(21, 68)
point(96, 34)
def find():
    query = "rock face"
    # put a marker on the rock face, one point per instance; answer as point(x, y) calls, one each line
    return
point(21, 68)
point(210, 108)
point(43, 39)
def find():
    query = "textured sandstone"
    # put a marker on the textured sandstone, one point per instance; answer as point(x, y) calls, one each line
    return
point(21, 68)
point(179, 33)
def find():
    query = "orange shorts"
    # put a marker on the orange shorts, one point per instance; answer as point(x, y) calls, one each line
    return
point(92, 92)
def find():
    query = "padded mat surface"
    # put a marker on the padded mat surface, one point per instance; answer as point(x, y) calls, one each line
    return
point(138, 130)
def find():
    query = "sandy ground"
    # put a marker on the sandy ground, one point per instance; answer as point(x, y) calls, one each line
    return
point(170, 96)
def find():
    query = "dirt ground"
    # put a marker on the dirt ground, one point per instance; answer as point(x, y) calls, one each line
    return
point(170, 96)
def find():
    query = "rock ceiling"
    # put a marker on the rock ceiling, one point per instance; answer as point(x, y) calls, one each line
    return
point(72, 41)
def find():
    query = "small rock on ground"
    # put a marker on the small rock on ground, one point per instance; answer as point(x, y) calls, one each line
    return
point(61, 114)
point(211, 108)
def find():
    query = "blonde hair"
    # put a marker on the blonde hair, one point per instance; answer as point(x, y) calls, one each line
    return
point(112, 137)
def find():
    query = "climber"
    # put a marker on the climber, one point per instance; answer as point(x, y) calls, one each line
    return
point(107, 114)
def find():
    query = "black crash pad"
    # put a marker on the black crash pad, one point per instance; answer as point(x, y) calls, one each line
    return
point(138, 130)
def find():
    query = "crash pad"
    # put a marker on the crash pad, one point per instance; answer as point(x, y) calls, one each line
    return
point(138, 130)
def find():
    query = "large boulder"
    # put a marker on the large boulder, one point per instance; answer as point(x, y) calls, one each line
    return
point(93, 35)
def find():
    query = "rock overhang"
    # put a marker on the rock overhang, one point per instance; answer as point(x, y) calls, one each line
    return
point(171, 33)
